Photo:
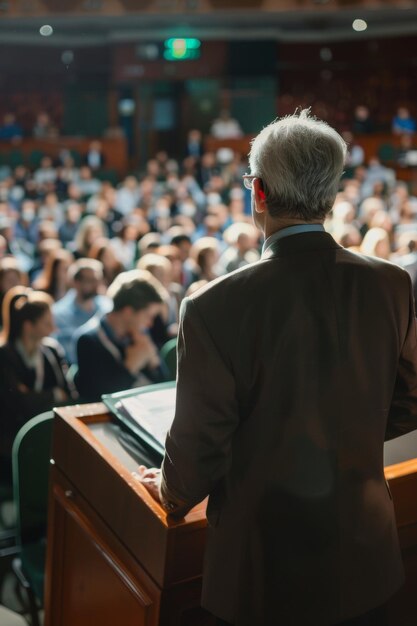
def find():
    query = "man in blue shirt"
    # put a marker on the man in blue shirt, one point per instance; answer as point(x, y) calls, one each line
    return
point(80, 303)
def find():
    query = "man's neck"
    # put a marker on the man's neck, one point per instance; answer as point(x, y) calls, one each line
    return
point(85, 305)
point(274, 225)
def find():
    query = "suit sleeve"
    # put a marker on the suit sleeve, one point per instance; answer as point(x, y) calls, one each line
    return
point(402, 417)
point(198, 446)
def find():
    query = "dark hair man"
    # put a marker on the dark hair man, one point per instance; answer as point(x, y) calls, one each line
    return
point(115, 352)
point(292, 371)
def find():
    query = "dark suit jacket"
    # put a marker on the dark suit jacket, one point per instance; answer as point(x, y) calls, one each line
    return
point(18, 406)
point(101, 365)
point(291, 373)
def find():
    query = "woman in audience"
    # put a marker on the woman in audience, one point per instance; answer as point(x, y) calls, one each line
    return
point(53, 278)
point(90, 229)
point(125, 243)
point(101, 251)
point(376, 243)
point(161, 268)
point(32, 368)
point(205, 254)
point(10, 276)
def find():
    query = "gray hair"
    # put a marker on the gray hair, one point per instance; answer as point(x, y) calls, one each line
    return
point(300, 161)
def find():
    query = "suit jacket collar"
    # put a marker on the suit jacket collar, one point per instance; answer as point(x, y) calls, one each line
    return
point(300, 243)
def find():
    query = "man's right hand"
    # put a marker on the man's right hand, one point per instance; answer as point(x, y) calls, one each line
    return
point(139, 353)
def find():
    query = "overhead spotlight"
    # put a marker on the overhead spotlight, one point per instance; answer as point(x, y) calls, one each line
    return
point(359, 25)
point(46, 30)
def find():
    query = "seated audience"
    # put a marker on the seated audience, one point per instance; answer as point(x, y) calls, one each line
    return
point(115, 351)
point(10, 276)
point(103, 252)
point(376, 243)
point(89, 229)
point(80, 303)
point(194, 145)
point(95, 159)
point(225, 127)
point(43, 127)
point(124, 245)
point(53, 278)
point(409, 260)
point(32, 365)
point(362, 121)
point(46, 172)
point(205, 254)
point(71, 217)
point(403, 123)
point(161, 268)
point(242, 240)
point(10, 129)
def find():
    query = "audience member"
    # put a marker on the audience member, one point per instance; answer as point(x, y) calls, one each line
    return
point(376, 243)
point(81, 303)
point(355, 155)
point(242, 240)
point(70, 223)
point(205, 254)
point(124, 244)
point(32, 365)
point(103, 252)
point(226, 127)
point(10, 276)
point(10, 129)
point(46, 172)
point(194, 146)
point(115, 351)
point(95, 158)
point(403, 123)
point(53, 278)
point(89, 229)
point(161, 268)
point(409, 260)
point(43, 127)
point(362, 121)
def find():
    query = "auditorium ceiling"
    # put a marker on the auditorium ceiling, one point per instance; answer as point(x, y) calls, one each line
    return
point(97, 22)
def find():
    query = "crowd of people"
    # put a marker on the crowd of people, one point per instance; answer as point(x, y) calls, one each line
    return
point(90, 270)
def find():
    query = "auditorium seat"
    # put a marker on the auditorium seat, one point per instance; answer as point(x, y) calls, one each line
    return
point(387, 153)
point(31, 460)
point(34, 158)
point(169, 357)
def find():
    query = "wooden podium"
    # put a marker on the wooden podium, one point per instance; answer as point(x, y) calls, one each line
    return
point(114, 558)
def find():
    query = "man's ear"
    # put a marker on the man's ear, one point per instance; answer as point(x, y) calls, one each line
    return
point(259, 196)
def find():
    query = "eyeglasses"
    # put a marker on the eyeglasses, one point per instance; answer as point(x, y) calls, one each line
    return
point(248, 180)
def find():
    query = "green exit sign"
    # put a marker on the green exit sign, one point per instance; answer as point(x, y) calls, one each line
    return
point(182, 49)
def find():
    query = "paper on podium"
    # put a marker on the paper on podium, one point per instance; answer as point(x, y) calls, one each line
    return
point(153, 411)
point(147, 413)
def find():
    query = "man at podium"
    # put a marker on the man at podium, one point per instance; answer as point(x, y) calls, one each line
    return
point(292, 372)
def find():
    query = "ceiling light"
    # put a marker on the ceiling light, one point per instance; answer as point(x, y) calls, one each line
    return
point(46, 30)
point(359, 25)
